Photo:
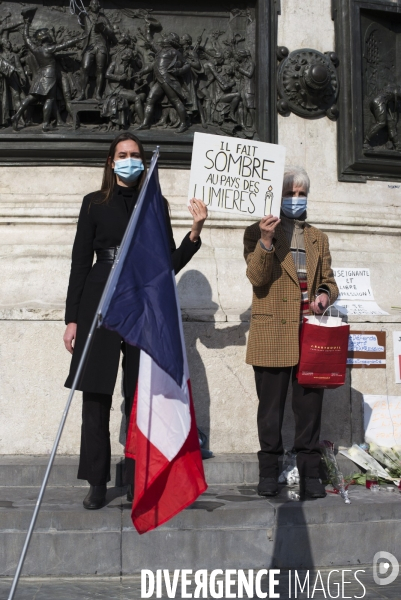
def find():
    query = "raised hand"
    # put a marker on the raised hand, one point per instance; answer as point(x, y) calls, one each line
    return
point(198, 210)
point(267, 228)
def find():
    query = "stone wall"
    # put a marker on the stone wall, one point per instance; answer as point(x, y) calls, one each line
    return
point(38, 212)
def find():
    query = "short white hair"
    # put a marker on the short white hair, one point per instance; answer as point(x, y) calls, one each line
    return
point(296, 176)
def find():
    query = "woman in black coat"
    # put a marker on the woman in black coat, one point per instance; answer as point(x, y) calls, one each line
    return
point(102, 222)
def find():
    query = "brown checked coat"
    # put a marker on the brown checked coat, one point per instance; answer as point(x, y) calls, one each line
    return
point(276, 304)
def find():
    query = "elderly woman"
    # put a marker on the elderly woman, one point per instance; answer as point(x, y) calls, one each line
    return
point(289, 266)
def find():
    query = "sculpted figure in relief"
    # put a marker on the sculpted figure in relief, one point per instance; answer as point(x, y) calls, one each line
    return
point(98, 31)
point(43, 86)
point(169, 64)
point(385, 108)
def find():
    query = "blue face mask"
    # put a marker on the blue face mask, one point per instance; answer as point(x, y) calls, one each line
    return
point(294, 207)
point(128, 169)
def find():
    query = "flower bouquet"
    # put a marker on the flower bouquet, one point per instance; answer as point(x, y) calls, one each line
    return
point(388, 458)
point(335, 476)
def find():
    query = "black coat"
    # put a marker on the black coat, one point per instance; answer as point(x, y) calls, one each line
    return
point(102, 226)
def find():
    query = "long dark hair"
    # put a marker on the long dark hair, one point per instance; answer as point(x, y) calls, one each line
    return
point(109, 178)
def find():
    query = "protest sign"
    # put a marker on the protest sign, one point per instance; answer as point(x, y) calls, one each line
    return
point(367, 349)
point(397, 355)
point(347, 307)
point(356, 295)
point(353, 284)
point(237, 176)
point(382, 420)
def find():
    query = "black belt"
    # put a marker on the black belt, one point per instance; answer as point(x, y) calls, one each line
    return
point(106, 255)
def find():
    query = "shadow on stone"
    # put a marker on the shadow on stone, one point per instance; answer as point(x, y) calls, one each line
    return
point(207, 505)
point(292, 549)
point(342, 416)
point(113, 493)
point(202, 312)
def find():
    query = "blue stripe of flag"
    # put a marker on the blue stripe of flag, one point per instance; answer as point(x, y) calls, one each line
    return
point(143, 308)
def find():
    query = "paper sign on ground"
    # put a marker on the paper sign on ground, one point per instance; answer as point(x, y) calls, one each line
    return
point(347, 307)
point(382, 419)
point(397, 355)
point(356, 295)
point(353, 284)
point(237, 176)
point(364, 460)
point(367, 349)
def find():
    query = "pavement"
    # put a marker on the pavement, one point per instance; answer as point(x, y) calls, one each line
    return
point(129, 588)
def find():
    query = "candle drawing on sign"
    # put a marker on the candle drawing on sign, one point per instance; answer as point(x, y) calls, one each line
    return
point(269, 200)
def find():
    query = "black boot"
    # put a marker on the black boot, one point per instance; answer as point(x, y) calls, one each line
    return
point(311, 487)
point(268, 486)
point(95, 497)
point(183, 127)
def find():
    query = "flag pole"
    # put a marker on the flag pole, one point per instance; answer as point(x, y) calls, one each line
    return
point(102, 308)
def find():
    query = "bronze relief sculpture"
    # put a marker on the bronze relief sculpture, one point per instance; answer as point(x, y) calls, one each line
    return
point(73, 73)
point(368, 129)
point(382, 94)
point(144, 79)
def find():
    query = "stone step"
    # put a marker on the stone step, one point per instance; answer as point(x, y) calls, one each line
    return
point(219, 470)
point(229, 526)
point(30, 470)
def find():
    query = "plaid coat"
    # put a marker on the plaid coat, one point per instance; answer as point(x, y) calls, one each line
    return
point(276, 303)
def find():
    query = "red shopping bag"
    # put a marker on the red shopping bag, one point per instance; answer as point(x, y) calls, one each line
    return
point(323, 355)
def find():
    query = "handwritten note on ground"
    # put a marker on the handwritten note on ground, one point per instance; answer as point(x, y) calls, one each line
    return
point(347, 307)
point(237, 176)
point(382, 419)
point(356, 295)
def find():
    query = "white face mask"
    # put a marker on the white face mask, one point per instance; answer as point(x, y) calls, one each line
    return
point(294, 206)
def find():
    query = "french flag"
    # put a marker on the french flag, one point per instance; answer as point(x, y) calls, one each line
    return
point(144, 310)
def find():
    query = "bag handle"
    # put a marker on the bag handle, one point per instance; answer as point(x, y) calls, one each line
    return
point(330, 306)
point(324, 312)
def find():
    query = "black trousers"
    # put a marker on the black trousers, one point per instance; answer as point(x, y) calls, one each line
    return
point(95, 452)
point(272, 386)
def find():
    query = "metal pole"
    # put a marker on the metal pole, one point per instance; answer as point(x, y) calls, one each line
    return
point(102, 308)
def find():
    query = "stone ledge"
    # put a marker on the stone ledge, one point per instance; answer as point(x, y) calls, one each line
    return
point(39, 313)
point(32, 314)
point(26, 471)
point(53, 212)
point(195, 315)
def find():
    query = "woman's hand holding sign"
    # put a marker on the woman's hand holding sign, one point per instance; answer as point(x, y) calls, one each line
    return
point(198, 210)
point(267, 228)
